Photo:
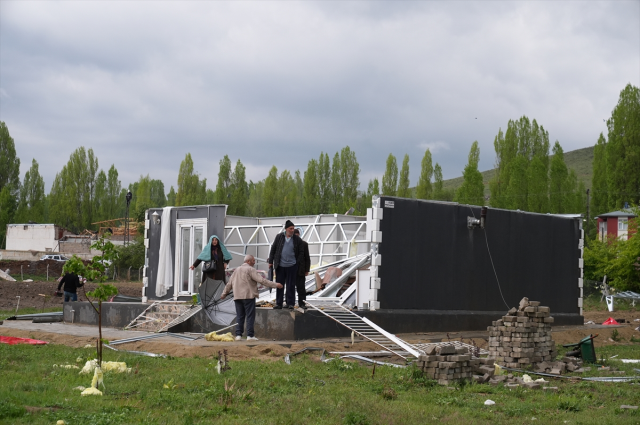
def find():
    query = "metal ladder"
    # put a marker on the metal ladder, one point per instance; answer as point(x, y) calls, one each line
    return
point(149, 322)
point(365, 328)
point(182, 318)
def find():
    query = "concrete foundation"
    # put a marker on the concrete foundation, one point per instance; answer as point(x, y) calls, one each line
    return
point(293, 325)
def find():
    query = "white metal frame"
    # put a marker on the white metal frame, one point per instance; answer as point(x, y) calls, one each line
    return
point(348, 237)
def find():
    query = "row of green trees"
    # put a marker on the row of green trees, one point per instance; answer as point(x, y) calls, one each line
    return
point(616, 158)
point(616, 182)
point(528, 177)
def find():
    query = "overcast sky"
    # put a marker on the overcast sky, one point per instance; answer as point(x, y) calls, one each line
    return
point(277, 82)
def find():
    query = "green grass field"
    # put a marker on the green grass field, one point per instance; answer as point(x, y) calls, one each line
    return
point(32, 391)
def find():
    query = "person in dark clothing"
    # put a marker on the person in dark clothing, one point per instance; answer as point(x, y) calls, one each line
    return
point(216, 251)
point(285, 256)
point(71, 283)
point(303, 272)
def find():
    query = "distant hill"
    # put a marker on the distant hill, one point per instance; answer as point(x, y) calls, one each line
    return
point(581, 160)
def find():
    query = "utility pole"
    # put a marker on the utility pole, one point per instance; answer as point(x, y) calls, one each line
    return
point(126, 222)
point(586, 239)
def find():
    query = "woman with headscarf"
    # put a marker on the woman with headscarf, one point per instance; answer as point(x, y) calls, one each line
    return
point(214, 251)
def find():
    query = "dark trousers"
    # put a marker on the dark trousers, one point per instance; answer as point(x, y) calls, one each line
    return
point(287, 277)
point(302, 291)
point(73, 296)
point(245, 309)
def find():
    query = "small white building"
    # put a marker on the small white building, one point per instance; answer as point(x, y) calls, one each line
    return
point(34, 237)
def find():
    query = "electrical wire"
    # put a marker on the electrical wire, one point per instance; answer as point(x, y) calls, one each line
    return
point(491, 258)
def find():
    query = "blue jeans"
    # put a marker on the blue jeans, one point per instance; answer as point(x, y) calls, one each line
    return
point(287, 277)
point(245, 309)
point(72, 295)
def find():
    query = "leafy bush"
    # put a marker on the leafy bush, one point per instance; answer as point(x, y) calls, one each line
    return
point(131, 255)
point(615, 258)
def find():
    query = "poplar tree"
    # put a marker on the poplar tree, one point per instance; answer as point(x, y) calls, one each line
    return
point(373, 188)
point(538, 199)
point(254, 203)
point(558, 180)
point(310, 197)
point(142, 195)
point(223, 187)
point(324, 182)
point(472, 189)
point(517, 191)
point(73, 190)
point(349, 178)
point(7, 211)
point(239, 189)
point(270, 205)
point(9, 162)
point(286, 198)
point(599, 180)
point(424, 189)
point(623, 149)
point(336, 185)
point(31, 203)
point(171, 197)
point(112, 205)
point(438, 186)
point(156, 194)
point(99, 202)
point(390, 177)
point(403, 184)
point(191, 191)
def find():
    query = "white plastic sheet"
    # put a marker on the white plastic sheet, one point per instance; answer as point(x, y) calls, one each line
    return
point(164, 281)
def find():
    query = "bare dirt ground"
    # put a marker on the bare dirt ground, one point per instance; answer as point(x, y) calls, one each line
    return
point(29, 293)
point(275, 350)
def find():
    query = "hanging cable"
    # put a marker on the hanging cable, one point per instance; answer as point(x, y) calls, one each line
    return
point(491, 258)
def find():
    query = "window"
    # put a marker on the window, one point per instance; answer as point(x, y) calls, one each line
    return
point(623, 224)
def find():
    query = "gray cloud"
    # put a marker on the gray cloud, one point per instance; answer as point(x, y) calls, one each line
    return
point(276, 83)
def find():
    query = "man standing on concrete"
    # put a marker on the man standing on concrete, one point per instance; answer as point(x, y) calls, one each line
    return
point(303, 271)
point(244, 284)
point(285, 257)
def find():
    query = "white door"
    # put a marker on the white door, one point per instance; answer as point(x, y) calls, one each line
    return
point(190, 239)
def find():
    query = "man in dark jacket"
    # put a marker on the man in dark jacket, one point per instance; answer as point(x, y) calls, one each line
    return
point(285, 256)
point(303, 272)
point(71, 283)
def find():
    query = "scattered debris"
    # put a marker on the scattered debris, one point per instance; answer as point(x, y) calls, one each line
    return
point(448, 364)
point(53, 314)
point(630, 360)
point(287, 357)
point(91, 391)
point(473, 349)
point(13, 340)
point(364, 359)
point(119, 367)
point(223, 364)
point(213, 336)
point(489, 402)
point(610, 321)
point(66, 366)
point(4, 275)
point(625, 406)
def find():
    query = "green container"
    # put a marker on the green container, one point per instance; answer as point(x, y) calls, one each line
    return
point(587, 349)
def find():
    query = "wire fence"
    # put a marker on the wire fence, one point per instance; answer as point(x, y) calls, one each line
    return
point(125, 273)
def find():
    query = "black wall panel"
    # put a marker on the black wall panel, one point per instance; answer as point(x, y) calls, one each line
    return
point(431, 260)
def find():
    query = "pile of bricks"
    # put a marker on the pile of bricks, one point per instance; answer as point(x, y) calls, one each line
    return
point(523, 336)
point(447, 364)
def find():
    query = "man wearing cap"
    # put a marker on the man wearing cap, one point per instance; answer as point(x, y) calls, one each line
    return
point(285, 256)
